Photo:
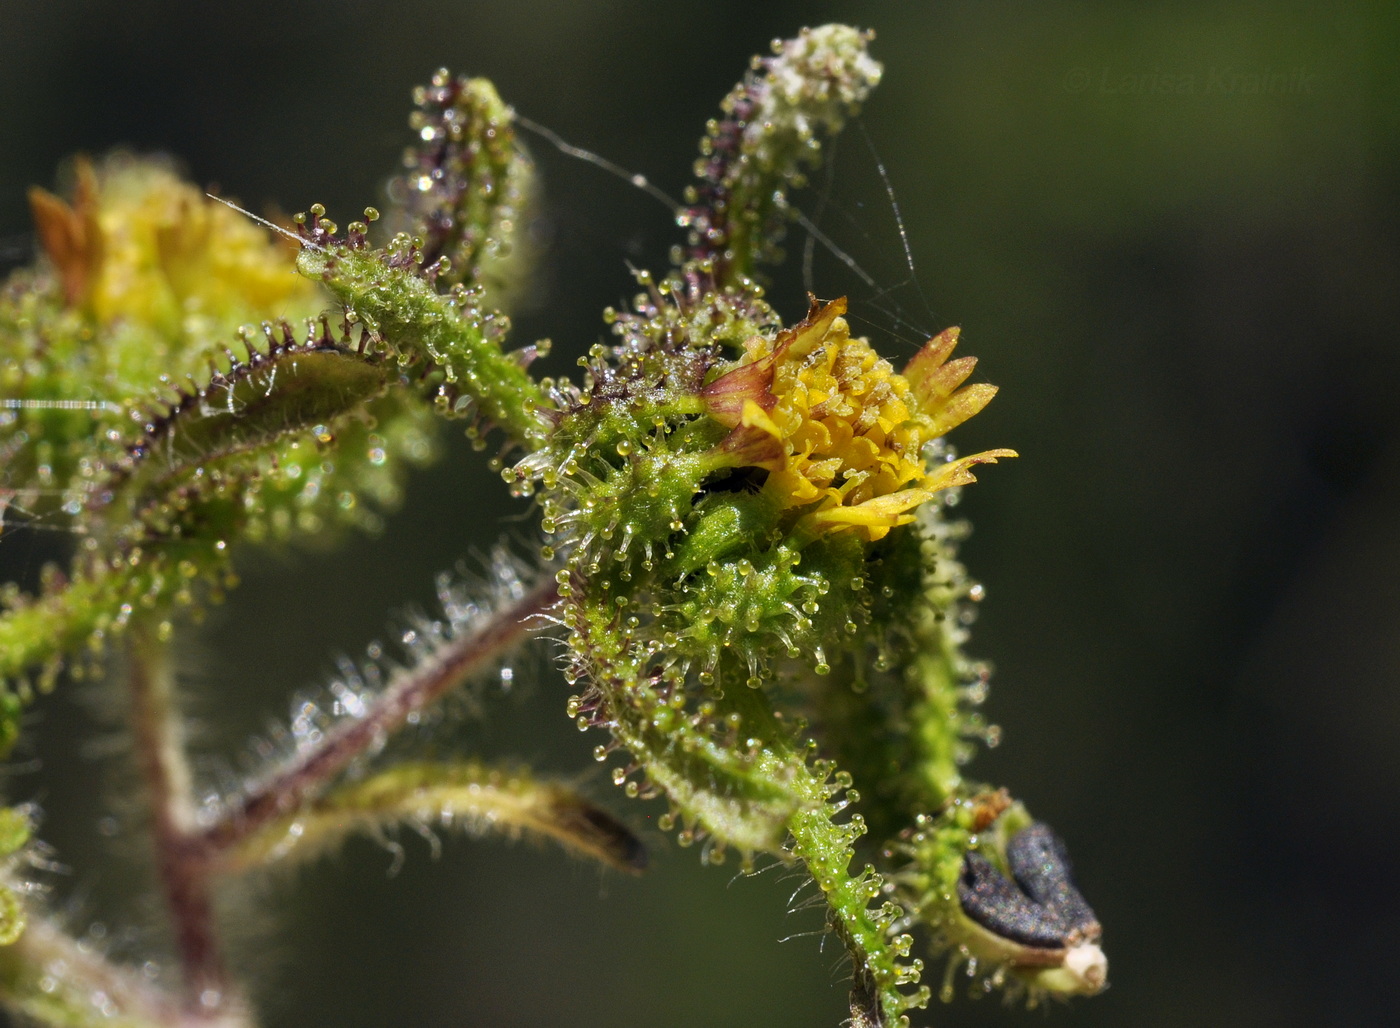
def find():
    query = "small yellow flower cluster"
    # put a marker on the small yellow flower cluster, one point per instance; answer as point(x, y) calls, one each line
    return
point(140, 250)
point(139, 243)
point(839, 430)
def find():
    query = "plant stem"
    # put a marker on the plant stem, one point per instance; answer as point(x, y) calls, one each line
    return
point(52, 978)
point(312, 768)
point(155, 723)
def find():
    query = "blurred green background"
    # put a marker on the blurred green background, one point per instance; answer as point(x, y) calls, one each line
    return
point(1171, 234)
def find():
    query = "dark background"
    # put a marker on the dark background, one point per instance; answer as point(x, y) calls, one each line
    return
point(1187, 290)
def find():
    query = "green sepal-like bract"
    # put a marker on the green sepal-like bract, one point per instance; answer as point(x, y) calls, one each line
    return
point(467, 186)
point(444, 342)
point(444, 794)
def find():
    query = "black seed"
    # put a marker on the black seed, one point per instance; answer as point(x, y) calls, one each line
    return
point(1040, 864)
point(1001, 908)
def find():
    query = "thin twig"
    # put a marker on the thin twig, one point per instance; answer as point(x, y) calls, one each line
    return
point(311, 769)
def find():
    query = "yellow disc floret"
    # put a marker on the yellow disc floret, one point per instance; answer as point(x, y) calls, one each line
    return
point(839, 430)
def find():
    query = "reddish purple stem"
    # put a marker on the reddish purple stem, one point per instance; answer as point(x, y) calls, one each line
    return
point(312, 768)
point(187, 855)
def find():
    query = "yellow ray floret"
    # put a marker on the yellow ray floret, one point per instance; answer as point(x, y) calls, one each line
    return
point(839, 430)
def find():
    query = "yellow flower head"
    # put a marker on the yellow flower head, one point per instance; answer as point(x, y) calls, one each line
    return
point(839, 430)
point(164, 274)
point(141, 245)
